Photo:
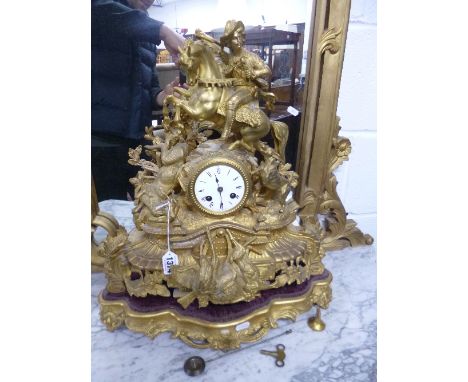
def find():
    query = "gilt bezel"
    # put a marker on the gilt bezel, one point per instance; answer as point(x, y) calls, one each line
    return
point(214, 162)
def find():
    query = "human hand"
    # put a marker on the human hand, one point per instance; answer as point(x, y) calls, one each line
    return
point(167, 91)
point(172, 40)
point(169, 88)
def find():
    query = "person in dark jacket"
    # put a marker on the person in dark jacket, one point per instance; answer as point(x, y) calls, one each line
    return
point(124, 87)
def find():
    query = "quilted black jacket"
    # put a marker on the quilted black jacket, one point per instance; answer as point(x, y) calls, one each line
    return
point(124, 81)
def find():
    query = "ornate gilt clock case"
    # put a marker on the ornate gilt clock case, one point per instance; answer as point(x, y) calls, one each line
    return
point(221, 249)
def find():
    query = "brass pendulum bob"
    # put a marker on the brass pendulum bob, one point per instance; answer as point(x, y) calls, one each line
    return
point(316, 323)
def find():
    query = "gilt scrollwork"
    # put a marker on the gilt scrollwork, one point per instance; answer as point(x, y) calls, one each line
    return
point(113, 316)
point(325, 214)
point(99, 219)
point(322, 295)
point(331, 41)
point(154, 328)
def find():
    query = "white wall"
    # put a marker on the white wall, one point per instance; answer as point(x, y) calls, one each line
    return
point(357, 101)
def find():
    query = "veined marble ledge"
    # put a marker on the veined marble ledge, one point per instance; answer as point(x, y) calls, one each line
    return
point(344, 351)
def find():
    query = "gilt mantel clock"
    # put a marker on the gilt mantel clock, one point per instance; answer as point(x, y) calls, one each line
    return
point(221, 249)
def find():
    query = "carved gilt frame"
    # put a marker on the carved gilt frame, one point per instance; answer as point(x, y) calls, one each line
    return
point(320, 149)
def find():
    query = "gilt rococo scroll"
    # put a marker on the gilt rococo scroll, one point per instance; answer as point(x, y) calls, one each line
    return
point(321, 150)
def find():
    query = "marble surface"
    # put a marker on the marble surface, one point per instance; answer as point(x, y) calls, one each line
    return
point(344, 351)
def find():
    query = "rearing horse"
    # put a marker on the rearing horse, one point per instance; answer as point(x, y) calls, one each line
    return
point(205, 100)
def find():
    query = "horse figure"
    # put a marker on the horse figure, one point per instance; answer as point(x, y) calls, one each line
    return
point(205, 100)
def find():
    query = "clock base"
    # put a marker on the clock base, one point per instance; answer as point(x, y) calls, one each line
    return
point(221, 327)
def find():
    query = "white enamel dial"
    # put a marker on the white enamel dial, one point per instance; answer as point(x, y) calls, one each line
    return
point(220, 188)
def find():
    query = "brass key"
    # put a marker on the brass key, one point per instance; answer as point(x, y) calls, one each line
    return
point(279, 354)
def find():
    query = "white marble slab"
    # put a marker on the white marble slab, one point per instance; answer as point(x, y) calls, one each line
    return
point(344, 351)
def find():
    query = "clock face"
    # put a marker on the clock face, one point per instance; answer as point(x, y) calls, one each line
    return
point(220, 189)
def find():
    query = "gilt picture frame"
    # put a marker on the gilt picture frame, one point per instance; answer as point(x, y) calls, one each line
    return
point(320, 149)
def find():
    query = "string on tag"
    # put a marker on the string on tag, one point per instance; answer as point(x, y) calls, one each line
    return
point(167, 204)
point(169, 259)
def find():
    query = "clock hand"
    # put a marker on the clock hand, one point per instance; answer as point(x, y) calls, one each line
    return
point(220, 190)
point(221, 197)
